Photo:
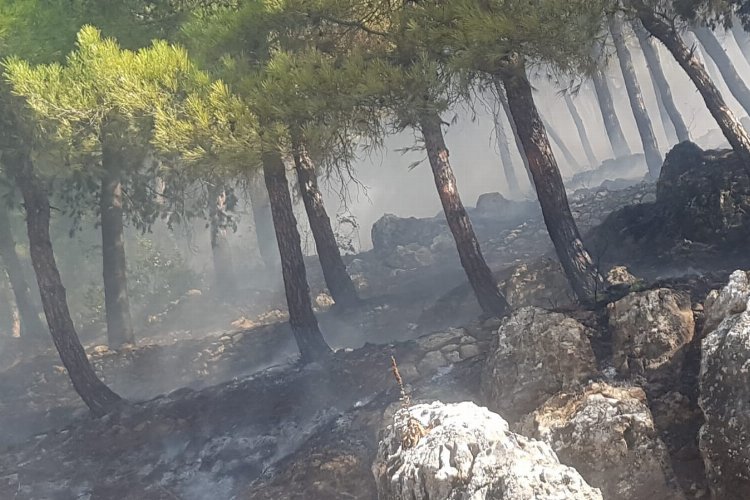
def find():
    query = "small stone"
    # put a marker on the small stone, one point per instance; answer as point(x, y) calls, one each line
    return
point(453, 356)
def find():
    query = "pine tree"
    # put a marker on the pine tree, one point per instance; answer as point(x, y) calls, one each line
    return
point(653, 19)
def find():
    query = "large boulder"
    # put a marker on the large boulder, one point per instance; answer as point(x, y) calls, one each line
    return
point(607, 434)
point(725, 396)
point(707, 192)
point(649, 332)
point(702, 197)
point(391, 231)
point(535, 355)
point(465, 452)
point(541, 283)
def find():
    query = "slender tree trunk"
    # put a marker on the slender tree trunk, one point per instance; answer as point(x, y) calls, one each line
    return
point(9, 308)
point(31, 325)
point(477, 271)
point(575, 259)
point(334, 270)
point(264, 232)
point(224, 276)
point(302, 319)
point(97, 396)
point(116, 300)
point(503, 99)
point(581, 128)
point(642, 120)
point(573, 164)
point(502, 144)
point(661, 85)
point(615, 134)
point(732, 78)
point(742, 38)
point(728, 123)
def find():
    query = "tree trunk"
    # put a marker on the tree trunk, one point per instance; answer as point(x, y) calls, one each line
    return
point(519, 145)
point(97, 396)
point(224, 277)
point(477, 271)
point(661, 85)
point(728, 123)
point(31, 326)
point(334, 270)
point(581, 128)
point(716, 52)
point(742, 38)
point(573, 164)
point(116, 301)
point(645, 129)
point(264, 232)
point(615, 134)
point(575, 259)
point(502, 145)
point(302, 319)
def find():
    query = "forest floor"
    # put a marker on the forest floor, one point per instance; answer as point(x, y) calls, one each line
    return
point(225, 412)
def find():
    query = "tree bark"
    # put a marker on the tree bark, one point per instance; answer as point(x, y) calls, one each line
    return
point(732, 78)
point(337, 278)
point(615, 134)
point(503, 99)
point(661, 85)
point(31, 326)
point(97, 396)
point(224, 276)
point(302, 319)
point(116, 300)
point(502, 144)
point(642, 120)
point(581, 128)
point(575, 259)
point(573, 164)
point(728, 123)
point(477, 271)
point(264, 232)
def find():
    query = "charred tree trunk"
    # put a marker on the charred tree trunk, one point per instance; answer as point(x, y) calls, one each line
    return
point(477, 271)
point(263, 219)
point(581, 128)
point(219, 221)
point(573, 164)
point(116, 301)
point(642, 120)
point(716, 52)
point(503, 99)
point(615, 134)
point(302, 319)
point(334, 270)
point(502, 145)
point(661, 85)
point(31, 325)
point(730, 126)
point(575, 259)
point(97, 396)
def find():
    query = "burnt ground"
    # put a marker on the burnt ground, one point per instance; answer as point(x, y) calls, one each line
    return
point(241, 420)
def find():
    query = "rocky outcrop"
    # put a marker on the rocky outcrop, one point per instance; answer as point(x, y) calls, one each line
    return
point(535, 355)
point(725, 393)
point(462, 451)
point(649, 332)
point(607, 434)
point(702, 197)
point(541, 283)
